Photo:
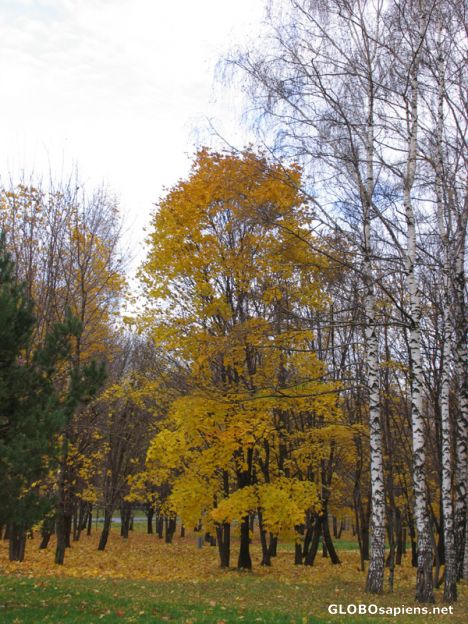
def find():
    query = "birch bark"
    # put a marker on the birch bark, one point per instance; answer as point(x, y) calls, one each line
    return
point(424, 581)
point(375, 575)
point(450, 577)
point(461, 365)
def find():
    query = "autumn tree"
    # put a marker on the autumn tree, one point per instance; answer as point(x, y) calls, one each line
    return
point(32, 411)
point(227, 267)
point(65, 244)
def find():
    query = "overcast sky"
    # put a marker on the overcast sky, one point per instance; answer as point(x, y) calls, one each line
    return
point(118, 87)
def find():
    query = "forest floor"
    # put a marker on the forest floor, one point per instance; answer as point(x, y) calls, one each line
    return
point(145, 581)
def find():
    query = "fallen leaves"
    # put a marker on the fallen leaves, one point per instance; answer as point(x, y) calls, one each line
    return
point(181, 572)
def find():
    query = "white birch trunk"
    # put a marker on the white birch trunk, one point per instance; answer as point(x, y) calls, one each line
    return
point(450, 579)
point(424, 581)
point(375, 574)
point(461, 364)
point(450, 582)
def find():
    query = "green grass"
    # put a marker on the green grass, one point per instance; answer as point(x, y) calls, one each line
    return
point(232, 598)
point(339, 544)
point(67, 601)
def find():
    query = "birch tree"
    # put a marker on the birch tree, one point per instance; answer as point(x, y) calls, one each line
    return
point(320, 88)
point(446, 155)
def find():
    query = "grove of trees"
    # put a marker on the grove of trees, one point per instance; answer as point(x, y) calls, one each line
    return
point(296, 355)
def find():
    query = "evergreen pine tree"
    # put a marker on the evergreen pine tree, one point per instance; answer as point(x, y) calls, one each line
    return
point(33, 407)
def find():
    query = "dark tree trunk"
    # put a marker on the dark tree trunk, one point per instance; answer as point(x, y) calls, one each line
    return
point(46, 535)
point(414, 548)
point(149, 520)
point(182, 530)
point(125, 517)
point(47, 529)
point(297, 553)
point(324, 549)
point(244, 561)
point(63, 537)
point(365, 537)
point(89, 521)
point(68, 529)
point(75, 523)
point(17, 543)
point(160, 526)
point(106, 527)
point(273, 545)
point(328, 540)
point(392, 540)
point(298, 545)
point(314, 542)
point(340, 530)
point(84, 516)
point(80, 522)
point(223, 534)
point(308, 537)
point(399, 537)
point(266, 556)
point(170, 527)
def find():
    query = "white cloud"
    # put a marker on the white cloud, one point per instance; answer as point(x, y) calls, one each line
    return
point(115, 85)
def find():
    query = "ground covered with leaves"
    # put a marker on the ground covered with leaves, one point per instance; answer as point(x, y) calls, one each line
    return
point(146, 581)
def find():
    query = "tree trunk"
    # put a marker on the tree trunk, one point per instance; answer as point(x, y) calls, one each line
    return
point(223, 533)
point(160, 526)
point(375, 573)
point(61, 534)
point(424, 581)
point(244, 562)
point(266, 556)
point(450, 583)
point(106, 527)
point(299, 544)
point(312, 550)
point(149, 520)
point(46, 535)
point(89, 521)
point(392, 533)
point(68, 529)
point(83, 511)
point(170, 527)
point(340, 530)
point(465, 560)
point(412, 533)
point(324, 549)
point(125, 518)
point(74, 526)
point(327, 540)
point(400, 536)
point(17, 543)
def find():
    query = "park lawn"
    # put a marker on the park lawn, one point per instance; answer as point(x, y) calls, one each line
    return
point(144, 580)
point(82, 601)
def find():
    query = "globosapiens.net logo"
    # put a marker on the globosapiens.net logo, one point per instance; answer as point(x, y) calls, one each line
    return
point(373, 609)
